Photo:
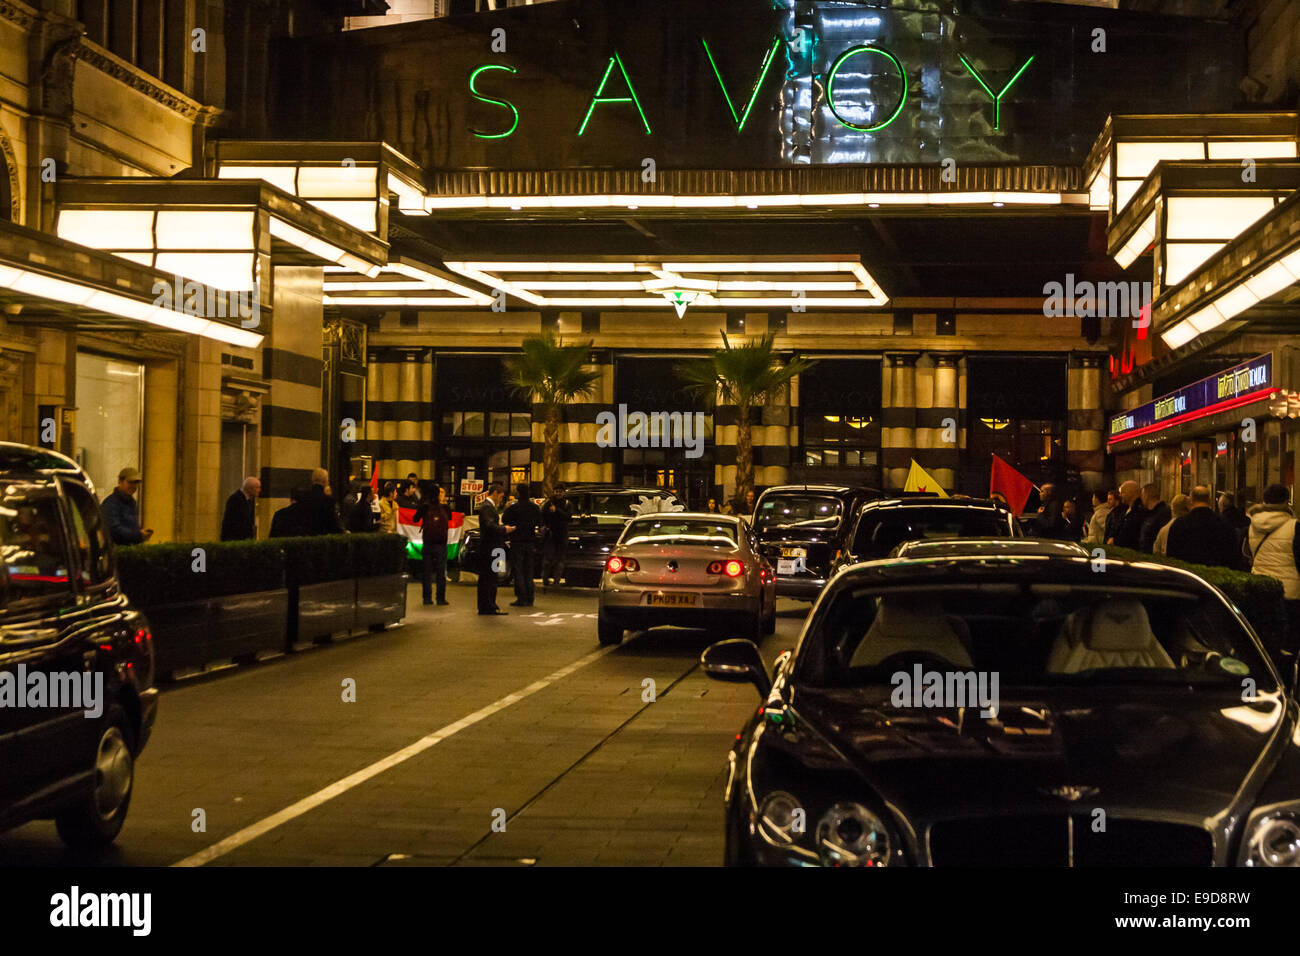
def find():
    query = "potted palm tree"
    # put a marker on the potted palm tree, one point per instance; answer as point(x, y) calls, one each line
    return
point(552, 374)
point(743, 375)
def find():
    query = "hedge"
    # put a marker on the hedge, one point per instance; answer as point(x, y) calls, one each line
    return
point(156, 574)
point(1257, 596)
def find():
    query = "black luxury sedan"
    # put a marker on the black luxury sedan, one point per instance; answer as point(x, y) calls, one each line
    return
point(77, 701)
point(1020, 707)
point(882, 525)
point(801, 531)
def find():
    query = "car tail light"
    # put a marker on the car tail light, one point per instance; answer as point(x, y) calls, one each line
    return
point(732, 569)
point(616, 565)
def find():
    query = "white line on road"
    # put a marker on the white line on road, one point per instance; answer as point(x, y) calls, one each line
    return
point(250, 833)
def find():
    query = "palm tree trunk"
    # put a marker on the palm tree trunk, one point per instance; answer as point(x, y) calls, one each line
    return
point(551, 449)
point(744, 453)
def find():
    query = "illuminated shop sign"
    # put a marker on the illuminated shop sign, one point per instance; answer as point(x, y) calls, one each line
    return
point(617, 87)
point(1239, 385)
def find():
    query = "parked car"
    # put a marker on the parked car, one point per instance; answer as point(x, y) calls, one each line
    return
point(1137, 720)
point(600, 513)
point(884, 524)
point(686, 570)
point(801, 531)
point(65, 624)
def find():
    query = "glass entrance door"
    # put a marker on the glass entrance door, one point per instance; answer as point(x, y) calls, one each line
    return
point(110, 417)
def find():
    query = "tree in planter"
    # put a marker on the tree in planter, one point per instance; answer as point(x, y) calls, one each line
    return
point(743, 375)
point(552, 374)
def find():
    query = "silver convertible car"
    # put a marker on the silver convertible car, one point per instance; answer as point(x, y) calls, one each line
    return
point(687, 570)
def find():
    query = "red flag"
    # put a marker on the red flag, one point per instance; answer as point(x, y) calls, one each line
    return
point(1013, 486)
point(374, 477)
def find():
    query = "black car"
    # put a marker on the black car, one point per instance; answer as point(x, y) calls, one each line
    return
point(1083, 713)
point(801, 531)
point(600, 513)
point(882, 525)
point(77, 701)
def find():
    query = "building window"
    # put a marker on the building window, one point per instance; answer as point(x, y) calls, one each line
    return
point(110, 416)
point(1016, 408)
point(839, 415)
point(484, 428)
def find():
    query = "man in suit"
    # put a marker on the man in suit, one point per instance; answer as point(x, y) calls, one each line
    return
point(324, 512)
point(295, 518)
point(1202, 537)
point(492, 542)
point(239, 523)
point(525, 517)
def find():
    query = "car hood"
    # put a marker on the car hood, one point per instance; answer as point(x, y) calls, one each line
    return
point(1185, 755)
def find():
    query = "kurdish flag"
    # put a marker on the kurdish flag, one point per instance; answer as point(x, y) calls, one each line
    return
point(406, 525)
point(918, 479)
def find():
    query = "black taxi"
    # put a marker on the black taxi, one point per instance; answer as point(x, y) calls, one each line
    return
point(77, 701)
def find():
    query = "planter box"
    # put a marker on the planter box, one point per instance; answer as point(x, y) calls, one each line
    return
point(195, 633)
point(380, 600)
point(323, 609)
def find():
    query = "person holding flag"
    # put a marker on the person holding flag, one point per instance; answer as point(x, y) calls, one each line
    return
point(1011, 485)
point(434, 519)
point(920, 480)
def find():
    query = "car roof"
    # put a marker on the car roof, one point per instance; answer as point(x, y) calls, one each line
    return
point(830, 489)
point(934, 501)
point(972, 568)
point(731, 519)
point(594, 486)
point(30, 461)
point(985, 547)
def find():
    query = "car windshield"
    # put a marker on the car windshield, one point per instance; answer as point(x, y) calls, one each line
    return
point(692, 530)
point(624, 504)
point(798, 510)
point(879, 532)
point(1031, 634)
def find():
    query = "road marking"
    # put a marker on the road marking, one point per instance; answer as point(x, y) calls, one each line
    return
point(252, 832)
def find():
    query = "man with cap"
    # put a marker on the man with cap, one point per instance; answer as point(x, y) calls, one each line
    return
point(122, 513)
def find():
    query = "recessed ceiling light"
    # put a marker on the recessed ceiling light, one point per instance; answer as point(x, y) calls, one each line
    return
point(516, 208)
point(752, 205)
point(999, 204)
point(874, 205)
point(633, 207)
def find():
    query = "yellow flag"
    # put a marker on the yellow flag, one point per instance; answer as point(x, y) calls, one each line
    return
point(918, 479)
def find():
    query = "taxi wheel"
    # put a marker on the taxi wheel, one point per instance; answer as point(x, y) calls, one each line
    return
point(608, 632)
point(97, 817)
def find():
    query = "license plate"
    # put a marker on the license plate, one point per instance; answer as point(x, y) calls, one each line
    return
point(786, 567)
point(794, 553)
point(672, 600)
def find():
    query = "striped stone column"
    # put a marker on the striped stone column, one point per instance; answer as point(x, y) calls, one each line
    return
point(291, 363)
point(1085, 425)
point(936, 419)
point(898, 419)
point(409, 405)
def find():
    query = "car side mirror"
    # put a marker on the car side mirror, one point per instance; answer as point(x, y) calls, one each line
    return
point(737, 661)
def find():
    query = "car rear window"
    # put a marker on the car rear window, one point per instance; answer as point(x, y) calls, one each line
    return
point(31, 541)
point(880, 532)
point(623, 504)
point(681, 529)
point(796, 510)
point(1032, 634)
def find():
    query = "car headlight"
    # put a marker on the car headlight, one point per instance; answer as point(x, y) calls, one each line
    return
point(1275, 841)
point(851, 835)
point(782, 818)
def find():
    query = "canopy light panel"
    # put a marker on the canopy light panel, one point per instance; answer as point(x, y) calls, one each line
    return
point(350, 181)
point(635, 201)
point(1235, 299)
point(400, 283)
point(757, 282)
point(72, 292)
point(1131, 145)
